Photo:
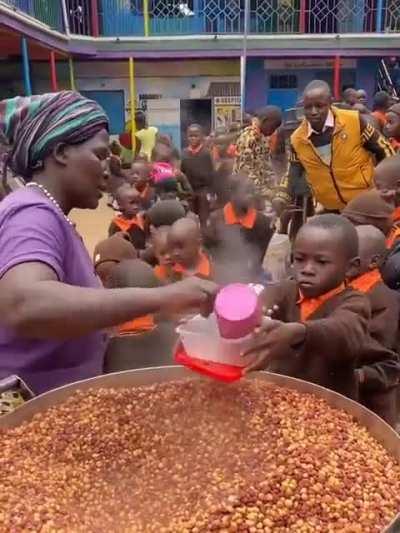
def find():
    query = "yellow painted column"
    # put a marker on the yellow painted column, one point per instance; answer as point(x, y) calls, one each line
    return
point(71, 74)
point(146, 18)
point(132, 99)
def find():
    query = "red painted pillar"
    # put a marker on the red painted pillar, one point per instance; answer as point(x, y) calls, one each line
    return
point(302, 25)
point(336, 78)
point(53, 72)
point(94, 18)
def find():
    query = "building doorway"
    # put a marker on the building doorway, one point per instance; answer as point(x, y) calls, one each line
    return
point(196, 111)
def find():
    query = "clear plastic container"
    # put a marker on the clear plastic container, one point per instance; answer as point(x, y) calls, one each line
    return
point(201, 339)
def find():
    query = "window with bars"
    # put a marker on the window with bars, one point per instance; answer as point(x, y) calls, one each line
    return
point(78, 12)
point(283, 81)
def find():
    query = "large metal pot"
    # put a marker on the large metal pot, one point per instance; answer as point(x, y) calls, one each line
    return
point(132, 378)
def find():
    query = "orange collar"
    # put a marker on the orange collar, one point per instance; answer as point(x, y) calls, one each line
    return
point(126, 224)
point(308, 306)
point(137, 325)
point(203, 267)
point(272, 141)
point(162, 272)
point(381, 116)
point(247, 221)
point(195, 151)
point(395, 143)
point(232, 150)
point(392, 237)
point(365, 282)
point(145, 191)
point(396, 215)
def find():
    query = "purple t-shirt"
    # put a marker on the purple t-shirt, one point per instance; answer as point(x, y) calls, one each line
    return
point(33, 229)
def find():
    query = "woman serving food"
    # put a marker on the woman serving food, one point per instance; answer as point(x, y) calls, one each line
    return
point(53, 310)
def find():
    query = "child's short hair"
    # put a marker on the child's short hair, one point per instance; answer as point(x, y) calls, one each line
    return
point(133, 273)
point(124, 188)
point(372, 242)
point(165, 138)
point(187, 226)
point(339, 224)
point(116, 248)
point(109, 252)
point(115, 148)
point(167, 188)
point(140, 119)
point(165, 213)
point(236, 180)
point(368, 208)
point(162, 153)
point(391, 167)
point(196, 126)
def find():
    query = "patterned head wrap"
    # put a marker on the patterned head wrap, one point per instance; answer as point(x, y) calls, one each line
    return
point(33, 125)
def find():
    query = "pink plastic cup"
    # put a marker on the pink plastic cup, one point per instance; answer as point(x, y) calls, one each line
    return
point(238, 311)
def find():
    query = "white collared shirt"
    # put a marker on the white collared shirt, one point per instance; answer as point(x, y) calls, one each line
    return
point(329, 123)
point(325, 152)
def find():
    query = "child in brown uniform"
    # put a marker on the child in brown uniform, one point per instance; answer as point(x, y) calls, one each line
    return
point(144, 341)
point(197, 165)
point(238, 235)
point(130, 220)
point(368, 208)
point(185, 248)
point(392, 126)
point(109, 252)
point(139, 176)
point(387, 182)
point(159, 241)
point(162, 213)
point(378, 381)
point(321, 325)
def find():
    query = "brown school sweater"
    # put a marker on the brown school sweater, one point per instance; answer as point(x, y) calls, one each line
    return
point(336, 338)
point(378, 391)
point(134, 227)
point(198, 167)
point(141, 350)
point(178, 272)
point(233, 241)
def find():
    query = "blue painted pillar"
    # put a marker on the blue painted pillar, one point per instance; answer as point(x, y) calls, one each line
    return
point(256, 84)
point(366, 75)
point(25, 67)
point(379, 16)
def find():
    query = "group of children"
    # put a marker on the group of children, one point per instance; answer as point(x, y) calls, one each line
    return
point(333, 321)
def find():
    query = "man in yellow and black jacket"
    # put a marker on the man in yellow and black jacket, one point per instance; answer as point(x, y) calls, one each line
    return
point(333, 153)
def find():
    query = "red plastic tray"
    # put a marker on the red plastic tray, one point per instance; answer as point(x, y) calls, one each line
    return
point(227, 373)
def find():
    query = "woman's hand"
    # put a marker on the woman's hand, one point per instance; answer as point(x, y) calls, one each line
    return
point(272, 340)
point(190, 293)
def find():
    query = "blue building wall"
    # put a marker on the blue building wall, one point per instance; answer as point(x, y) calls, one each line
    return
point(256, 80)
point(113, 103)
point(365, 79)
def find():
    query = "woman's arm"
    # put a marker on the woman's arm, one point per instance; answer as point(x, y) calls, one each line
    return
point(35, 304)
